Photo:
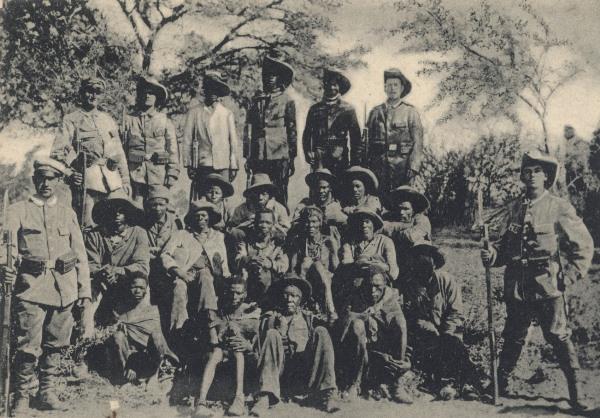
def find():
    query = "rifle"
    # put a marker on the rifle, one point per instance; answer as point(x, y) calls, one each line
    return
point(82, 157)
point(488, 280)
point(365, 137)
point(5, 337)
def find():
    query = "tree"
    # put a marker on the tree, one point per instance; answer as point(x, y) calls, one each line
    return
point(47, 46)
point(246, 31)
point(493, 58)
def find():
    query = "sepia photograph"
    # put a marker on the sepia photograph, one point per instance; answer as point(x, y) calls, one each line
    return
point(299, 208)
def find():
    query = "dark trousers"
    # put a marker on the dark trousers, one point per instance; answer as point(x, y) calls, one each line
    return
point(337, 166)
point(198, 185)
point(442, 356)
point(123, 354)
point(551, 315)
point(312, 370)
point(357, 362)
point(278, 171)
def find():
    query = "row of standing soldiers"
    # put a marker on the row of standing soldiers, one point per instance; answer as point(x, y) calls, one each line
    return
point(144, 151)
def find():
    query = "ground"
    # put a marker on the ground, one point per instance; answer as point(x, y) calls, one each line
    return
point(538, 383)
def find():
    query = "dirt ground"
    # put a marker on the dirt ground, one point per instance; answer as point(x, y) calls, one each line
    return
point(538, 384)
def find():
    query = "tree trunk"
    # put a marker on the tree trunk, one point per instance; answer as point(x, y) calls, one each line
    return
point(545, 130)
point(147, 54)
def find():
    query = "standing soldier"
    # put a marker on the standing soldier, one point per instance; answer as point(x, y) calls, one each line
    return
point(330, 124)
point(52, 275)
point(149, 141)
point(395, 142)
point(210, 140)
point(91, 136)
point(270, 140)
point(545, 247)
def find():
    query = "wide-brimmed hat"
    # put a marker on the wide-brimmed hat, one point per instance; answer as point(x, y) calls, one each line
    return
point(284, 72)
point(260, 181)
point(366, 176)
point(396, 73)
point(217, 83)
point(341, 79)
point(215, 179)
point(429, 250)
point(92, 83)
point(158, 191)
point(548, 163)
point(150, 83)
point(292, 279)
point(319, 174)
point(50, 166)
point(409, 194)
point(103, 210)
point(366, 213)
point(214, 217)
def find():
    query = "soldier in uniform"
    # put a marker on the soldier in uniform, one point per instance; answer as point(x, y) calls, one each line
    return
point(545, 248)
point(210, 139)
point(395, 144)
point(331, 125)
point(52, 275)
point(93, 133)
point(270, 140)
point(149, 141)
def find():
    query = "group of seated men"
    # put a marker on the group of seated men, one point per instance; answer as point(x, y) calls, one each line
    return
point(344, 296)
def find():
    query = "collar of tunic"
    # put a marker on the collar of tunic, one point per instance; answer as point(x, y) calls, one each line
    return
point(38, 201)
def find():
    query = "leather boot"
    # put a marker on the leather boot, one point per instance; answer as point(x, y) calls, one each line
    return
point(47, 398)
point(575, 392)
point(25, 381)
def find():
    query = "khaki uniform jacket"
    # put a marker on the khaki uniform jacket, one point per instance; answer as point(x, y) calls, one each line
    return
point(272, 123)
point(48, 230)
point(379, 247)
point(147, 133)
point(329, 126)
point(395, 132)
point(560, 236)
point(97, 134)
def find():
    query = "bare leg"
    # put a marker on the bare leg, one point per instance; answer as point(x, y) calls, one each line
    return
point(239, 373)
point(214, 358)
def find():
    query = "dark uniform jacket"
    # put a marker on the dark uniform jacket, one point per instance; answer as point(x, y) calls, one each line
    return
point(272, 128)
point(333, 125)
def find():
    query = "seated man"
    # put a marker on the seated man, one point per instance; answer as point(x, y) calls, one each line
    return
point(259, 258)
point(138, 346)
point(236, 328)
point(259, 196)
point(160, 225)
point(314, 256)
point(372, 347)
point(295, 353)
point(406, 222)
point(116, 248)
point(196, 262)
point(217, 190)
point(365, 242)
point(320, 186)
point(434, 312)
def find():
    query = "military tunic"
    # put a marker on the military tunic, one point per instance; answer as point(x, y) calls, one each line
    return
point(150, 145)
point(395, 147)
point(545, 248)
point(270, 143)
point(96, 134)
point(332, 133)
point(44, 231)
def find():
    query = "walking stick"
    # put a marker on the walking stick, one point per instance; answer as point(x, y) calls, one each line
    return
point(488, 281)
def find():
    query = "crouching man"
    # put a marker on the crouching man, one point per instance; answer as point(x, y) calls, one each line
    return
point(136, 349)
point(236, 329)
point(372, 346)
point(52, 275)
point(434, 312)
point(295, 353)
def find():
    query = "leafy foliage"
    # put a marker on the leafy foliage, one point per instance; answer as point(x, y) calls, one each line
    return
point(493, 58)
point(47, 46)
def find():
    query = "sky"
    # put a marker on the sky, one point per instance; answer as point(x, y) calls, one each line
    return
point(578, 103)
